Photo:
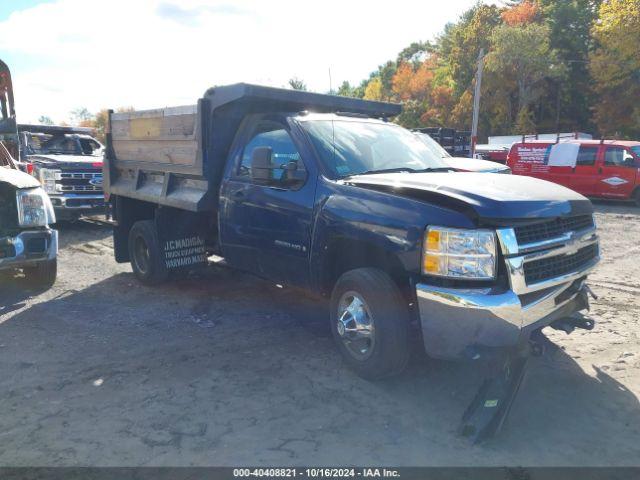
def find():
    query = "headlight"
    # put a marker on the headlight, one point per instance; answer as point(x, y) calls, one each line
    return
point(456, 253)
point(34, 208)
point(48, 179)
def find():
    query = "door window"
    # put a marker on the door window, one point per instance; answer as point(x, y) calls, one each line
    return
point(283, 154)
point(618, 157)
point(61, 144)
point(89, 146)
point(587, 156)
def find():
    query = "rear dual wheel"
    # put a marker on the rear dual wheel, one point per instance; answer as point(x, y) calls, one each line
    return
point(145, 254)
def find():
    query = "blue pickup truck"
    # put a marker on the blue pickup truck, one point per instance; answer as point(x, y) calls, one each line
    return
point(324, 193)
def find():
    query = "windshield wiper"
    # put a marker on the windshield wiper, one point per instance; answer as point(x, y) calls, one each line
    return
point(387, 170)
point(437, 169)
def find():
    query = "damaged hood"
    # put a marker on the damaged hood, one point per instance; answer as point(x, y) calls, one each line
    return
point(481, 195)
point(17, 179)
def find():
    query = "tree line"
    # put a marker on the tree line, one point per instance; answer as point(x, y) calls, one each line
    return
point(549, 65)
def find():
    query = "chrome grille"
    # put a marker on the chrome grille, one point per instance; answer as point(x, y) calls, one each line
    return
point(80, 182)
point(80, 188)
point(551, 267)
point(557, 253)
point(547, 230)
point(80, 175)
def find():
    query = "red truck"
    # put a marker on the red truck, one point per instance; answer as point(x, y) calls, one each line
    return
point(594, 168)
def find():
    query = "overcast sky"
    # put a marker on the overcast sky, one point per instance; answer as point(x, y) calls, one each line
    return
point(66, 54)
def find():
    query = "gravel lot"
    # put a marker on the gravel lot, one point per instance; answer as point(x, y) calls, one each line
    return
point(226, 369)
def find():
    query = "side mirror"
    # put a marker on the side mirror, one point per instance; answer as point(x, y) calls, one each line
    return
point(261, 168)
point(629, 161)
point(263, 171)
point(293, 176)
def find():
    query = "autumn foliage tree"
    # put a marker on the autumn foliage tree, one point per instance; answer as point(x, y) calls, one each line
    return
point(458, 48)
point(550, 65)
point(522, 58)
point(416, 84)
point(521, 14)
point(615, 67)
point(567, 106)
point(373, 91)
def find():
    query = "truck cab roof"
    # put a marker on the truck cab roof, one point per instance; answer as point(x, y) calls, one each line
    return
point(338, 116)
point(54, 129)
point(260, 99)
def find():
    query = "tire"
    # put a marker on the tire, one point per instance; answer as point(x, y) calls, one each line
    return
point(43, 275)
point(6, 275)
point(387, 348)
point(636, 197)
point(145, 253)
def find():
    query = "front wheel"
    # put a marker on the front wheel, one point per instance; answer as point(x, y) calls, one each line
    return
point(6, 275)
point(636, 197)
point(370, 323)
point(43, 274)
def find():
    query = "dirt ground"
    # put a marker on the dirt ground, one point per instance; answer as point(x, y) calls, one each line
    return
point(226, 369)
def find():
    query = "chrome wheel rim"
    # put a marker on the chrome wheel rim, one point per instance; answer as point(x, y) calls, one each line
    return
point(355, 325)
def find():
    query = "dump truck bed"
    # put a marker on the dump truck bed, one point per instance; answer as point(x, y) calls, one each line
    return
point(156, 156)
point(176, 156)
point(165, 136)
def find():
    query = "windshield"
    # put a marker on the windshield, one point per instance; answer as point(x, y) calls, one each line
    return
point(636, 150)
point(432, 145)
point(63, 145)
point(351, 148)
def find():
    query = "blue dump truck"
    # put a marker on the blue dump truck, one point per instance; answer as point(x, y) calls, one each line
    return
point(324, 193)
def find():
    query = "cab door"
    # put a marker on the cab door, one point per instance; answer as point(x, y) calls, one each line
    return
point(266, 224)
point(617, 174)
point(584, 175)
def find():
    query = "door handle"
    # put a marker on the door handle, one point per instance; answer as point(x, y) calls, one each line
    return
point(600, 170)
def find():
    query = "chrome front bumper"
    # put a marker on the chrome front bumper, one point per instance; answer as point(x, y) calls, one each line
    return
point(24, 254)
point(457, 322)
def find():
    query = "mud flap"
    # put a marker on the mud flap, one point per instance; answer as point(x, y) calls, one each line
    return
point(182, 237)
point(488, 410)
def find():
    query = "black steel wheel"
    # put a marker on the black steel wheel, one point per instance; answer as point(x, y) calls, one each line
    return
point(145, 254)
